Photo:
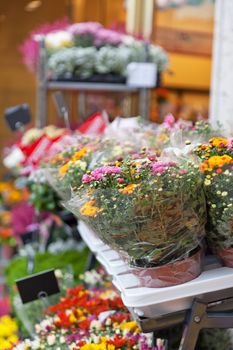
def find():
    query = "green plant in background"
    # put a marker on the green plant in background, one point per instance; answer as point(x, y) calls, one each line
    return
point(72, 260)
point(43, 197)
point(17, 268)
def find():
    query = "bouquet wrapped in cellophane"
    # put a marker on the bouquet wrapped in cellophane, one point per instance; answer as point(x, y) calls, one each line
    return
point(68, 166)
point(217, 167)
point(151, 211)
point(178, 133)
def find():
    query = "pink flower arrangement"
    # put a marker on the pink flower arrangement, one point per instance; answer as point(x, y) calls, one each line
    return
point(161, 167)
point(30, 47)
point(169, 121)
point(89, 28)
point(107, 37)
point(99, 173)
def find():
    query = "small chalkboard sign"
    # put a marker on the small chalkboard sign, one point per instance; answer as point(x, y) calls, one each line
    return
point(29, 237)
point(37, 286)
point(18, 116)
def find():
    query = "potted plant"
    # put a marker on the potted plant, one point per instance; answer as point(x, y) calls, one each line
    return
point(217, 167)
point(151, 211)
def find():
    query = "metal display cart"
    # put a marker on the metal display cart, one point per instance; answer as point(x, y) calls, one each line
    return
point(205, 302)
point(44, 86)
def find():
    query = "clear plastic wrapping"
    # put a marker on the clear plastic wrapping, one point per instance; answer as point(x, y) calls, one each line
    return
point(219, 194)
point(155, 222)
point(152, 231)
point(65, 169)
point(171, 274)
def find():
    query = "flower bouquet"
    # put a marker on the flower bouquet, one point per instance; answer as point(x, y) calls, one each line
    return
point(151, 211)
point(8, 332)
point(88, 51)
point(6, 232)
point(66, 168)
point(178, 133)
point(217, 167)
point(27, 154)
point(91, 318)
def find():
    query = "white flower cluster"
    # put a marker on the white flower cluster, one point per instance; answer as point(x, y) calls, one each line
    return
point(85, 61)
point(92, 277)
point(38, 176)
point(58, 39)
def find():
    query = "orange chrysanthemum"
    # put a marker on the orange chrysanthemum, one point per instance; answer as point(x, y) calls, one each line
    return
point(129, 189)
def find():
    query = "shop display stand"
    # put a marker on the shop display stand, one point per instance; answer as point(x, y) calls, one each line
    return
point(44, 86)
point(205, 302)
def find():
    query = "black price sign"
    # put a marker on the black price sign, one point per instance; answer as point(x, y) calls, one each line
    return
point(37, 286)
point(17, 117)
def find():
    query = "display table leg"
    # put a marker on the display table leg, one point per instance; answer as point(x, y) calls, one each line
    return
point(91, 261)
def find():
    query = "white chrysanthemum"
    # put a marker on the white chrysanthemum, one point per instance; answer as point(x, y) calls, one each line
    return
point(158, 56)
point(77, 61)
point(95, 324)
point(81, 164)
point(51, 339)
point(58, 39)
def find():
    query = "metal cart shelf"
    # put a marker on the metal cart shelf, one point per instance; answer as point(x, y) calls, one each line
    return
point(44, 85)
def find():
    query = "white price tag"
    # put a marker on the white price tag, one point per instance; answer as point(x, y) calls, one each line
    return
point(141, 74)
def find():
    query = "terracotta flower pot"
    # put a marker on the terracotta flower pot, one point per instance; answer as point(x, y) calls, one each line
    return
point(171, 274)
point(226, 254)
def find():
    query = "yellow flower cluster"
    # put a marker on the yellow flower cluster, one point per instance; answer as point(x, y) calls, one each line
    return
point(129, 189)
point(130, 327)
point(76, 157)
point(10, 194)
point(218, 142)
point(102, 346)
point(216, 162)
point(8, 333)
point(89, 209)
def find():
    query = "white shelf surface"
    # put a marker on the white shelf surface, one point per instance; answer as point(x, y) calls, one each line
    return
point(152, 302)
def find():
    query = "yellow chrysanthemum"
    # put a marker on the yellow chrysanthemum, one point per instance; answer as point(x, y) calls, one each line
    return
point(215, 162)
point(79, 154)
point(218, 161)
point(128, 189)
point(102, 346)
point(216, 141)
point(63, 170)
point(89, 209)
point(130, 326)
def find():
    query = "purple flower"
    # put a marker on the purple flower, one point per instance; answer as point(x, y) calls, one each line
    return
point(99, 173)
point(73, 337)
point(23, 215)
point(30, 47)
point(108, 37)
point(161, 167)
point(230, 143)
point(182, 172)
point(169, 121)
point(87, 178)
point(152, 158)
point(83, 28)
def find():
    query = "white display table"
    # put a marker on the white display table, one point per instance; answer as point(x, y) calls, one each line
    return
point(151, 306)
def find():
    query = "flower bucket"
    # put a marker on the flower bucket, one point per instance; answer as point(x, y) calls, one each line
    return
point(226, 255)
point(178, 272)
